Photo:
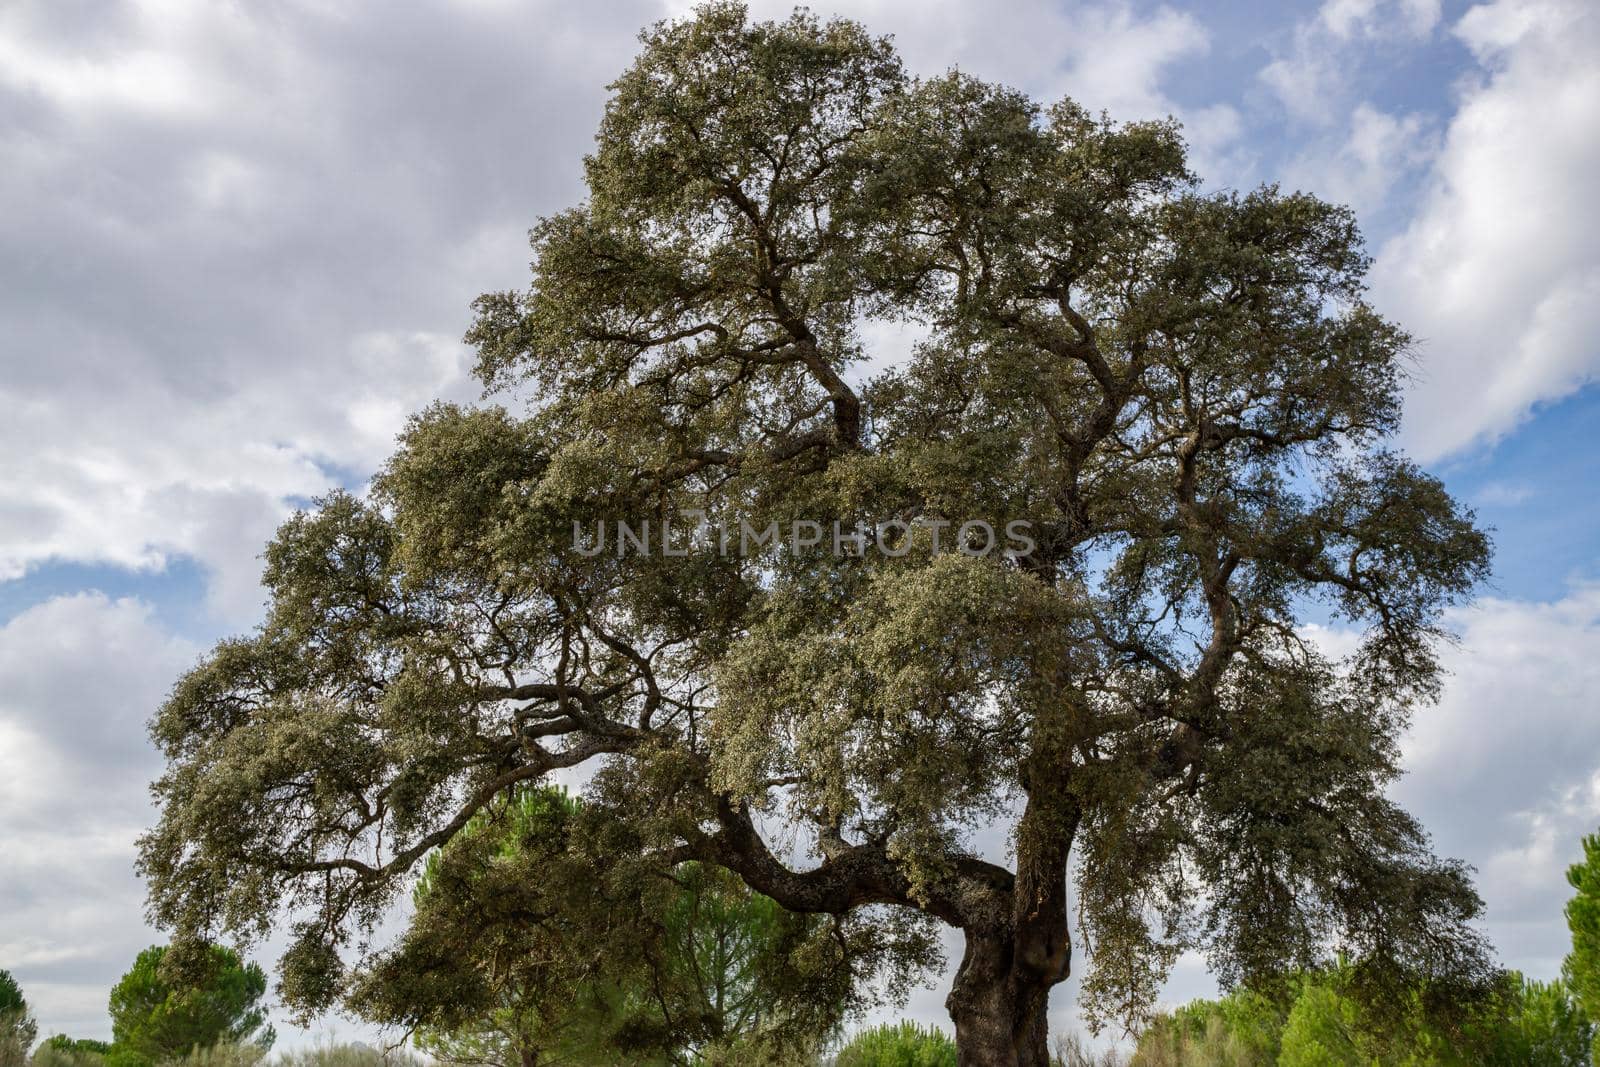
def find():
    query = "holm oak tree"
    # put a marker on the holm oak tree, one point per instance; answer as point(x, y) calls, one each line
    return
point(1113, 730)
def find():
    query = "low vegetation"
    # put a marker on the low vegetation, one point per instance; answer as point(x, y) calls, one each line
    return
point(1315, 1019)
point(704, 972)
point(904, 1044)
point(1320, 1020)
point(61, 1051)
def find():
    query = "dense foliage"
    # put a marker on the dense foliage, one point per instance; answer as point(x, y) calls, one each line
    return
point(528, 948)
point(1181, 397)
point(904, 1044)
point(216, 1000)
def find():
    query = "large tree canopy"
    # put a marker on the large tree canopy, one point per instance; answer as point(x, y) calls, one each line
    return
point(1181, 396)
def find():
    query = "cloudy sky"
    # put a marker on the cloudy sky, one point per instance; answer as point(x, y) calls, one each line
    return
point(238, 242)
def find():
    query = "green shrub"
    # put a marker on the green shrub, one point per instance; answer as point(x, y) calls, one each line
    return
point(222, 1054)
point(903, 1044)
point(155, 1022)
point(1581, 971)
point(1324, 1029)
point(1173, 1042)
point(1243, 1029)
point(1512, 1023)
point(1534, 1024)
point(1554, 1029)
point(350, 1055)
point(63, 1051)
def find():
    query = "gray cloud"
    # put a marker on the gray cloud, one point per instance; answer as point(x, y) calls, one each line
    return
point(79, 677)
point(247, 248)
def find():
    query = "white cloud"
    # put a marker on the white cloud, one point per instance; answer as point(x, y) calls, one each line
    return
point(82, 673)
point(1377, 153)
point(1374, 18)
point(1311, 78)
point(1117, 58)
point(148, 78)
point(80, 677)
point(1504, 494)
point(1506, 769)
point(1523, 680)
point(241, 250)
point(1499, 273)
point(1304, 83)
point(147, 472)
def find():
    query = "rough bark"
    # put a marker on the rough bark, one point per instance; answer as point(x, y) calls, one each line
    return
point(999, 1009)
point(1000, 998)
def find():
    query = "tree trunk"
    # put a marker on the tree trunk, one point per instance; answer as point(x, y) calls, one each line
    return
point(1000, 998)
point(999, 1011)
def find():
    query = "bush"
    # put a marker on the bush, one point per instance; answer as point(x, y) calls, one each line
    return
point(1243, 1029)
point(1073, 1051)
point(63, 1051)
point(1171, 1041)
point(1512, 1023)
point(222, 1054)
point(903, 1044)
point(351, 1055)
point(47, 1055)
point(78, 1045)
point(1555, 1028)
